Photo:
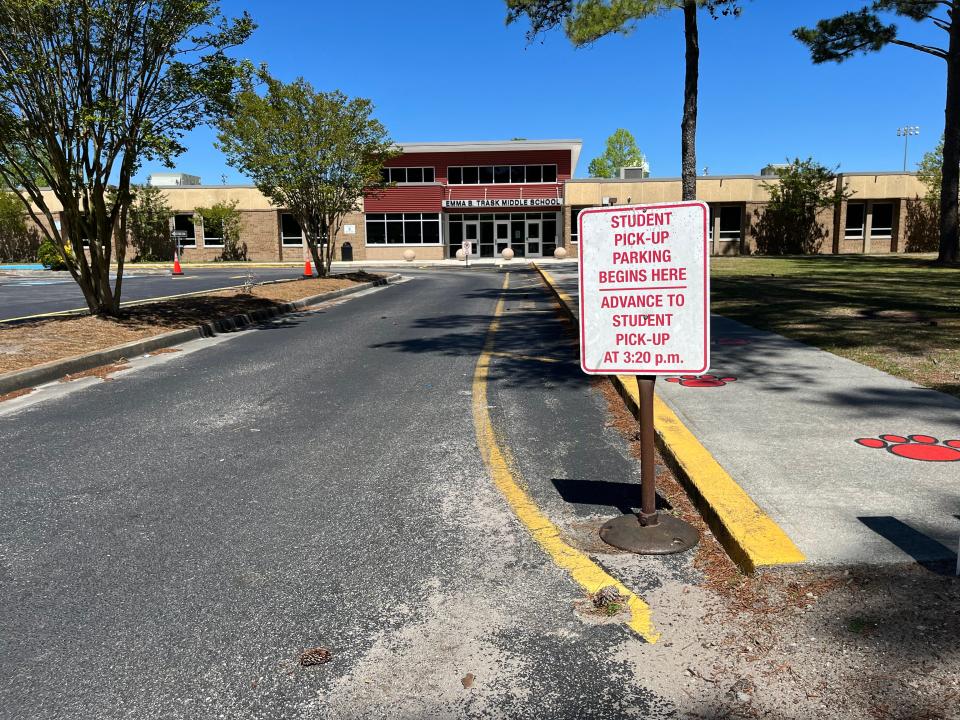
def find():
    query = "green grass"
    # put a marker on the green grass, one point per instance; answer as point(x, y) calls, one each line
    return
point(897, 313)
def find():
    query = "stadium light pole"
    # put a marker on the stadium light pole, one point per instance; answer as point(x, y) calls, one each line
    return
point(906, 131)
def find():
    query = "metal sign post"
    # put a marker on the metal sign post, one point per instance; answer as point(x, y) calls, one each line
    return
point(645, 311)
point(467, 247)
point(178, 237)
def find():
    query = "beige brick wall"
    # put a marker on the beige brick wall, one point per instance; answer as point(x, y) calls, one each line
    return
point(261, 221)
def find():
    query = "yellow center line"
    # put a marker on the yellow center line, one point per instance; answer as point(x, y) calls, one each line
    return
point(500, 465)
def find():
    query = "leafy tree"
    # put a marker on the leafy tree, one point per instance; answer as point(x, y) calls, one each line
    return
point(790, 222)
point(585, 21)
point(88, 90)
point(222, 220)
point(314, 153)
point(930, 171)
point(839, 38)
point(922, 227)
point(150, 224)
point(18, 243)
point(621, 151)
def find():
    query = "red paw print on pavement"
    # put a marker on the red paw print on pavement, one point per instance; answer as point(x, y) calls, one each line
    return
point(701, 380)
point(915, 447)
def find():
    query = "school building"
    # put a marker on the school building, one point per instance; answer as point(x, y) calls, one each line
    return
point(521, 194)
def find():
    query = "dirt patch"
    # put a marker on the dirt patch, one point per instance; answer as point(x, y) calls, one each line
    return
point(26, 344)
point(101, 371)
point(15, 394)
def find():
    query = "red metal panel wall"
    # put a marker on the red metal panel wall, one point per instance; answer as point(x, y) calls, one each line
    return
point(427, 198)
point(406, 198)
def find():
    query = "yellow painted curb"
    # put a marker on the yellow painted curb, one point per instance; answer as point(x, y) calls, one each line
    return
point(565, 300)
point(748, 534)
point(499, 462)
point(751, 538)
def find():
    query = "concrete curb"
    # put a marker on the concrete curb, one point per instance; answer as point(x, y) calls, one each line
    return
point(39, 374)
point(749, 536)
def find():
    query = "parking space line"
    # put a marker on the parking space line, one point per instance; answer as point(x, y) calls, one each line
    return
point(501, 468)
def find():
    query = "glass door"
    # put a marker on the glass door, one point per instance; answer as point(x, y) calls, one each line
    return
point(502, 236)
point(534, 238)
point(471, 234)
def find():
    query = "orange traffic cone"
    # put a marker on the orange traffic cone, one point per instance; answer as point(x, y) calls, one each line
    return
point(177, 270)
point(307, 269)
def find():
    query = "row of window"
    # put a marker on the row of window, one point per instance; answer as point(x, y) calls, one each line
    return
point(424, 228)
point(498, 174)
point(881, 225)
point(212, 231)
point(479, 175)
point(731, 221)
point(502, 216)
point(403, 228)
point(407, 175)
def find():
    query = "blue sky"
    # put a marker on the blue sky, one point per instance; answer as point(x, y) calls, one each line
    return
point(441, 70)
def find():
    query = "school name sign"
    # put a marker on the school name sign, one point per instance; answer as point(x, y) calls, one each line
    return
point(645, 289)
point(502, 203)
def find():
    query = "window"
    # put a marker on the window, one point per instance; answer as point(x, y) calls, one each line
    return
point(856, 213)
point(213, 233)
point(882, 224)
point(184, 223)
point(403, 228)
point(574, 222)
point(407, 175)
point(501, 174)
point(730, 220)
point(290, 233)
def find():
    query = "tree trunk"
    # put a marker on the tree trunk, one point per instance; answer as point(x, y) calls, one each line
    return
point(688, 126)
point(317, 260)
point(950, 183)
point(93, 275)
point(120, 245)
point(324, 269)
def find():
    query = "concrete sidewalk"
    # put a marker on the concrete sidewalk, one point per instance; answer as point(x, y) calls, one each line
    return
point(784, 420)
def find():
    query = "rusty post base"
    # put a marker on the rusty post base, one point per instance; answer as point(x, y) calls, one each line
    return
point(669, 535)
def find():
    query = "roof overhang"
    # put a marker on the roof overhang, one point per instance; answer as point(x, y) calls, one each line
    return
point(572, 146)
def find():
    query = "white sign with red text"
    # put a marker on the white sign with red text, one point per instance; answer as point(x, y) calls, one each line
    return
point(645, 289)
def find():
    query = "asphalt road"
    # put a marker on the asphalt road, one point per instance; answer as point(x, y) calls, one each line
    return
point(172, 539)
point(36, 293)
